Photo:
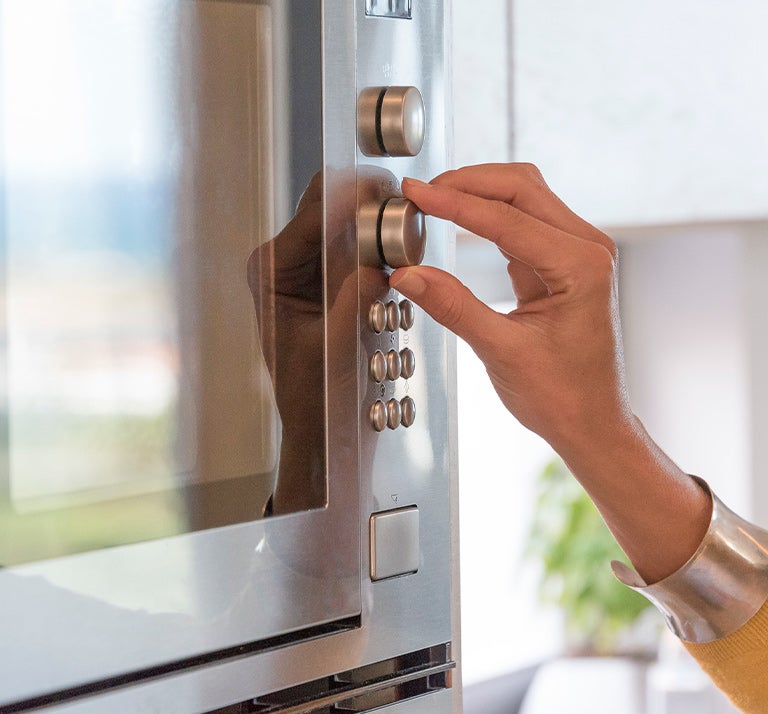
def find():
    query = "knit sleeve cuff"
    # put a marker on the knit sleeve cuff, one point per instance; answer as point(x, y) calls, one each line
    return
point(720, 588)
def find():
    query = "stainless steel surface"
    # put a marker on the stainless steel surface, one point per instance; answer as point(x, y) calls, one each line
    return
point(408, 408)
point(394, 543)
point(393, 316)
point(378, 366)
point(720, 588)
point(408, 363)
point(122, 610)
point(393, 364)
point(377, 317)
point(407, 314)
point(402, 121)
point(402, 233)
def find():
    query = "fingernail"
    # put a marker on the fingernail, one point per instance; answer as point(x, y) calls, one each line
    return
point(407, 282)
point(408, 181)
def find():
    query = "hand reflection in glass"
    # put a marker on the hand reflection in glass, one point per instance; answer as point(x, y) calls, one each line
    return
point(286, 279)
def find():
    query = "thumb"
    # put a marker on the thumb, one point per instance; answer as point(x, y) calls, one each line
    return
point(448, 301)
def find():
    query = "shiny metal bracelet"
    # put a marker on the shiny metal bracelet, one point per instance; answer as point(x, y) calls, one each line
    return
point(720, 588)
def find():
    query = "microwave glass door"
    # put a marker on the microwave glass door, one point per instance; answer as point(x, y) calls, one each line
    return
point(156, 333)
point(172, 341)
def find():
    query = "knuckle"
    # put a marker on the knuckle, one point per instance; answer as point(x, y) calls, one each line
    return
point(532, 174)
point(602, 263)
point(607, 243)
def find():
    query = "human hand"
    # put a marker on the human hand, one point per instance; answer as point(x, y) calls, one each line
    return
point(556, 360)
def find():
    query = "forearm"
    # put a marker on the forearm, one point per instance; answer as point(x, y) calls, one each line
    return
point(657, 513)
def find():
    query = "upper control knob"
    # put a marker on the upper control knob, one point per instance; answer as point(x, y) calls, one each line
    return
point(391, 121)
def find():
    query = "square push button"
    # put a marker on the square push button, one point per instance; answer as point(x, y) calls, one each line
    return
point(394, 543)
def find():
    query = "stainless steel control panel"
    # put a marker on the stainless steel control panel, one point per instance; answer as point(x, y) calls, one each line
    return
point(407, 407)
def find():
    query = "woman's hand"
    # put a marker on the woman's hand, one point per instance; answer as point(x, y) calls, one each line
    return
point(556, 360)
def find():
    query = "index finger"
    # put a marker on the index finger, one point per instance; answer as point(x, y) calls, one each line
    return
point(522, 186)
point(530, 240)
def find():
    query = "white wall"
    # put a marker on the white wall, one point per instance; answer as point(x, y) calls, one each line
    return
point(645, 112)
point(481, 54)
point(687, 349)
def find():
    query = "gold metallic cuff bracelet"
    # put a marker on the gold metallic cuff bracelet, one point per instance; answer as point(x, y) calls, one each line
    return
point(720, 588)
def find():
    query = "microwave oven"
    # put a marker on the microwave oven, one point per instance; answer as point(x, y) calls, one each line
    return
point(228, 448)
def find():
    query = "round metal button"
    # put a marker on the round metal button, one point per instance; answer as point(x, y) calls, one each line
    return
point(377, 317)
point(393, 316)
point(407, 363)
point(408, 411)
point(394, 414)
point(402, 121)
point(402, 233)
point(379, 415)
point(407, 314)
point(394, 364)
point(377, 368)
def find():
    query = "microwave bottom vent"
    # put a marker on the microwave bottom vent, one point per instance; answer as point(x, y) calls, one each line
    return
point(359, 690)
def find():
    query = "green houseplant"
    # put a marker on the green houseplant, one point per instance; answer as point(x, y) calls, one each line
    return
point(574, 547)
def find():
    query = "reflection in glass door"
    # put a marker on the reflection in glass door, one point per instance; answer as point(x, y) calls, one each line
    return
point(150, 152)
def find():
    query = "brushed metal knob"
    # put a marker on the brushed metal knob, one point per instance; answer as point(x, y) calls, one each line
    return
point(391, 121)
point(402, 233)
point(393, 233)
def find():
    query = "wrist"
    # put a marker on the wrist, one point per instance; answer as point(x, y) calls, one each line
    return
point(657, 512)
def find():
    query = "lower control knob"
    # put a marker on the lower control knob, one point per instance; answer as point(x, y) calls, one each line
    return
point(393, 233)
point(402, 233)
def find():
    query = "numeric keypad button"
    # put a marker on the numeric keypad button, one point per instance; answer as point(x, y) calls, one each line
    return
point(394, 413)
point(377, 317)
point(377, 368)
point(393, 316)
point(407, 411)
point(407, 314)
point(407, 363)
point(379, 415)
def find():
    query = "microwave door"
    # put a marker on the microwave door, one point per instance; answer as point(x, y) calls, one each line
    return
point(172, 485)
